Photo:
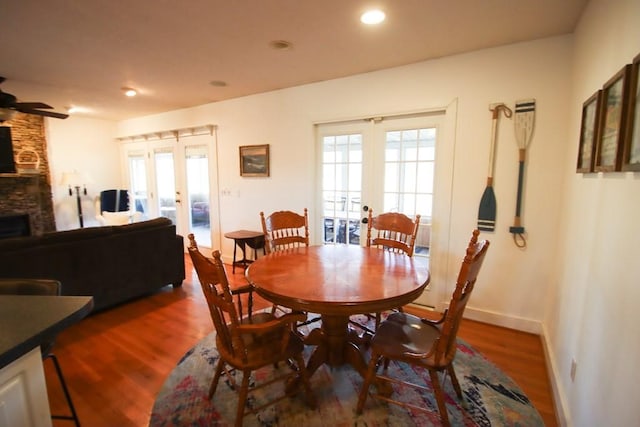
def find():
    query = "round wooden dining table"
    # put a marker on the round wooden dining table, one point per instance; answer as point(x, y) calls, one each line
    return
point(338, 281)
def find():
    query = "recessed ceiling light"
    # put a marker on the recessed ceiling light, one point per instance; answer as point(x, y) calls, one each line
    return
point(130, 92)
point(280, 45)
point(75, 109)
point(218, 83)
point(372, 17)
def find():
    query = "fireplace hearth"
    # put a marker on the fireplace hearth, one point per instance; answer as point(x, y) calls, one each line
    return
point(14, 226)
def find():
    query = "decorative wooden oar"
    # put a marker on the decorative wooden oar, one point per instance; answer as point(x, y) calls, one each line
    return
point(487, 209)
point(523, 124)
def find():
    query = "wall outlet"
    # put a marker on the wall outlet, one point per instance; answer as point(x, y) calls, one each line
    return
point(574, 365)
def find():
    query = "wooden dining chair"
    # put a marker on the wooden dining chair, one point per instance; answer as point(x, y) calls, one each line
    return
point(247, 344)
point(285, 229)
point(47, 287)
point(423, 342)
point(391, 231)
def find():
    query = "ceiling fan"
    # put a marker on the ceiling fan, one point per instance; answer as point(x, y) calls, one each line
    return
point(9, 105)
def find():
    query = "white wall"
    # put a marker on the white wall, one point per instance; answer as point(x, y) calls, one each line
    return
point(515, 282)
point(86, 146)
point(593, 313)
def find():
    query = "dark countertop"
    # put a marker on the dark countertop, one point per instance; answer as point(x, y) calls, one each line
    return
point(26, 321)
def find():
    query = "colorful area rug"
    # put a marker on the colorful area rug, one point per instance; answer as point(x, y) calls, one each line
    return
point(491, 398)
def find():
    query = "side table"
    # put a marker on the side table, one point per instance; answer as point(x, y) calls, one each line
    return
point(242, 239)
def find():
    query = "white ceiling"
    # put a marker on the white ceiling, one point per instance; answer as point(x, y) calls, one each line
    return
point(70, 52)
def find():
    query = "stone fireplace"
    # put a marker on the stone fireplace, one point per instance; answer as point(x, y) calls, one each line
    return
point(28, 193)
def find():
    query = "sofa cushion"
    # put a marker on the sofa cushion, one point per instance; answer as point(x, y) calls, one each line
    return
point(116, 218)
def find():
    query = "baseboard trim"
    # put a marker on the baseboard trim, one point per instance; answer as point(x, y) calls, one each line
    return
point(560, 401)
point(501, 319)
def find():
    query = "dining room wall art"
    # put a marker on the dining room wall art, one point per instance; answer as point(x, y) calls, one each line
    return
point(591, 109)
point(611, 131)
point(631, 152)
point(254, 160)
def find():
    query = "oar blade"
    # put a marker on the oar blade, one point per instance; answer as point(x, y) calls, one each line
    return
point(524, 120)
point(487, 210)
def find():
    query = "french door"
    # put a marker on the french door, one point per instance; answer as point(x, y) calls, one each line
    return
point(386, 164)
point(175, 178)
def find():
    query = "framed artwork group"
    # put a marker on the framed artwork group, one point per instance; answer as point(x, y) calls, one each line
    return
point(610, 127)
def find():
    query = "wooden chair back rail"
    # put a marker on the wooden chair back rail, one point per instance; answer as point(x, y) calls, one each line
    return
point(465, 283)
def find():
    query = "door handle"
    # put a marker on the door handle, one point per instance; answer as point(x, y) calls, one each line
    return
point(365, 220)
point(365, 208)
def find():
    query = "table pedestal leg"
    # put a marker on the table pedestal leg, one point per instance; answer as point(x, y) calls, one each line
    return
point(336, 345)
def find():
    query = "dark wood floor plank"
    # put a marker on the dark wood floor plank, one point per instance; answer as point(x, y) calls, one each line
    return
point(116, 361)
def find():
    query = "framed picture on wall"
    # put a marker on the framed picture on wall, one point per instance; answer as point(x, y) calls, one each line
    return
point(254, 160)
point(611, 130)
point(588, 132)
point(631, 152)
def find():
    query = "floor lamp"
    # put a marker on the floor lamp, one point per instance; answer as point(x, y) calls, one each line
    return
point(75, 180)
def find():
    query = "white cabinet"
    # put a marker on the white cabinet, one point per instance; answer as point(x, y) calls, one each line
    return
point(23, 393)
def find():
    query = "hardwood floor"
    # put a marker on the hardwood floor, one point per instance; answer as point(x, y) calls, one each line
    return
point(116, 361)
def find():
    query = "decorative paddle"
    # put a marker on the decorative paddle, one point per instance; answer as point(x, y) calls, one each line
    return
point(523, 124)
point(487, 209)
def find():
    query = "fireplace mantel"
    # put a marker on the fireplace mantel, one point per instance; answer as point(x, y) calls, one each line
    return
point(29, 176)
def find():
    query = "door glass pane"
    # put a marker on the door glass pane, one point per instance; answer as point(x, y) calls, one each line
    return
point(409, 172)
point(342, 186)
point(197, 168)
point(165, 177)
point(139, 193)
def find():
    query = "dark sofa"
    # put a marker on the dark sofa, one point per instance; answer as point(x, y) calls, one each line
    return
point(113, 264)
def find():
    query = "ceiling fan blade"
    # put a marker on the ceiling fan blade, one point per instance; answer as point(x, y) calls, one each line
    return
point(31, 105)
point(43, 113)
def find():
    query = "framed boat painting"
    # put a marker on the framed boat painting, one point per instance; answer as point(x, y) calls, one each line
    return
point(631, 153)
point(588, 132)
point(611, 131)
point(254, 160)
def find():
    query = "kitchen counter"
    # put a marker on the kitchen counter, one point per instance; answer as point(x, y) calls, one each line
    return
point(27, 321)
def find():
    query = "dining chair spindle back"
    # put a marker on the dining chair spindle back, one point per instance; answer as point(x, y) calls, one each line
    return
point(392, 231)
point(285, 229)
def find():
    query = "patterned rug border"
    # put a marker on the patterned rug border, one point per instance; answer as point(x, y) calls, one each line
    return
point(491, 398)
